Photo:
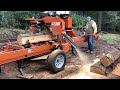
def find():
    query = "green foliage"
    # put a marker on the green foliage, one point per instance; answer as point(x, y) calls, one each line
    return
point(78, 20)
point(111, 21)
point(79, 17)
point(15, 19)
point(21, 15)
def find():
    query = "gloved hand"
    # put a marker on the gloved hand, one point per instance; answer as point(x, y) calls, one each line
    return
point(96, 36)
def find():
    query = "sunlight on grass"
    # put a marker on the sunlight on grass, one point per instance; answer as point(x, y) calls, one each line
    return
point(110, 38)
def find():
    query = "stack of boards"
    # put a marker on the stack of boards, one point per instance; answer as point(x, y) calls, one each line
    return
point(109, 64)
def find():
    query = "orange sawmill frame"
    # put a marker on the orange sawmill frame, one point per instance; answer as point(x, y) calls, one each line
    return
point(10, 53)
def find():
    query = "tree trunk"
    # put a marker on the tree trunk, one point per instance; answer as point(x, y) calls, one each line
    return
point(109, 58)
point(99, 20)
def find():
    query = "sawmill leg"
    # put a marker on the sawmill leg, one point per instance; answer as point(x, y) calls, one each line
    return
point(20, 67)
point(73, 50)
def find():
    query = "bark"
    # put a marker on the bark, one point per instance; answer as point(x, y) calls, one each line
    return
point(99, 20)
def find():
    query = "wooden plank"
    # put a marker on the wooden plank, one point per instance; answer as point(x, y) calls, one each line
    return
point(23, 39)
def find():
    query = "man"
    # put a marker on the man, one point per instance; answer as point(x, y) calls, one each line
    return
point(91, 30)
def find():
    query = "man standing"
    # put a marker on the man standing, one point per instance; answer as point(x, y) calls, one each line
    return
point(91, 30)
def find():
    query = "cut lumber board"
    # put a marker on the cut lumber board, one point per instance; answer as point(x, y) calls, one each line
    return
point(109, 58)
point(100, 69)
point(23, 39)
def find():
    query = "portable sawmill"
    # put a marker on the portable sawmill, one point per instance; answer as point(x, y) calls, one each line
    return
point(52, 35)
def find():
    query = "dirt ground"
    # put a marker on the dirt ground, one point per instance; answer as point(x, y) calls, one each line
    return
point(73, 68)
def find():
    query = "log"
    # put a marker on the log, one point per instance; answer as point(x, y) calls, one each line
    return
point(115, 74)
point(98, 68)
point(109, 58)
point(23, 39)
point(116, 70)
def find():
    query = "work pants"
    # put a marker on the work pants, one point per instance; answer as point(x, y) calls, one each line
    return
point(90, 40)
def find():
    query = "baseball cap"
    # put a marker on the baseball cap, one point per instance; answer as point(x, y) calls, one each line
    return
point(88, 17)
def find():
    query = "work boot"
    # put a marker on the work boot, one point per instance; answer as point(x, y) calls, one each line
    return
point(91, 52)
point(88, 51)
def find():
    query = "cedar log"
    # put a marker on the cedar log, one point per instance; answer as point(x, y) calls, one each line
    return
point(100, 69)
point(109, 58)
point(23, 39)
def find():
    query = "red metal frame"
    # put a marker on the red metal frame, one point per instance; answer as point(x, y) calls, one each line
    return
point(12, 53)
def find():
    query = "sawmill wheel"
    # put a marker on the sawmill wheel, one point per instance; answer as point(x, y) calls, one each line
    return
point(57, 60)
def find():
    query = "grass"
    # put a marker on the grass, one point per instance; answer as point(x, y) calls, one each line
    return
point(7, 31)
point(110, 38)
point(11, 33)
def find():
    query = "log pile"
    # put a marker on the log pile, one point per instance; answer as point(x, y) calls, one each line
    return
point(109, 64)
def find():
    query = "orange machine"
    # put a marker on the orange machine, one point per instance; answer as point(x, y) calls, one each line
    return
point(66, 38)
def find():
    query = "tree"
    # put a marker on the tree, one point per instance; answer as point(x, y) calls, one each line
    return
point(99, 20)
point(111, 21)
